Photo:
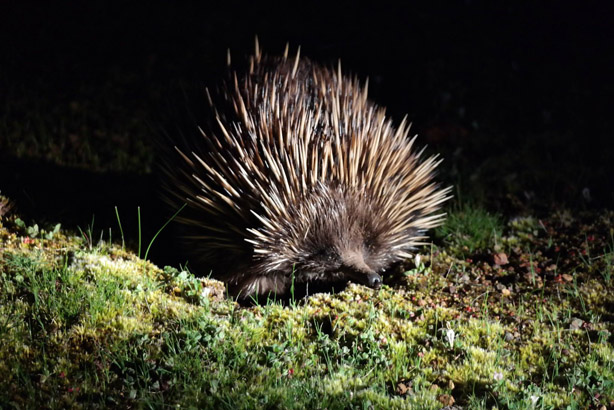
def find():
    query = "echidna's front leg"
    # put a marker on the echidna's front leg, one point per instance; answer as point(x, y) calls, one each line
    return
point(254, 286)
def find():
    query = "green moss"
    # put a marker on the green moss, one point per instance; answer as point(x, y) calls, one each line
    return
point(469, 229)
point(95, 326)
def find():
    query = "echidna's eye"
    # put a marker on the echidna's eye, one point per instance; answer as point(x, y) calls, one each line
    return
point(370, 244)
point(327, 254)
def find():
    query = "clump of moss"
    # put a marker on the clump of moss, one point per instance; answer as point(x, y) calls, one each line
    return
point(469, 229)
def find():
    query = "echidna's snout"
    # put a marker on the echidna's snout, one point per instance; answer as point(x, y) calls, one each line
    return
point(364, 277)
point(374, 280)
point(355, 269)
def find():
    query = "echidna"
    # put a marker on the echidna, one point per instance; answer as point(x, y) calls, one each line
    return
point(300, 177)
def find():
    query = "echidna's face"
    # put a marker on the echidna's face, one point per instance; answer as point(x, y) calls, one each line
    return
point(344, 239)
point(334, 263)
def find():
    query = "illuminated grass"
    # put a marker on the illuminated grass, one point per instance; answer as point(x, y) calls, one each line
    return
point(99, 327)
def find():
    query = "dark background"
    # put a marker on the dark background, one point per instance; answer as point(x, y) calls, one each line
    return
point(516, 96)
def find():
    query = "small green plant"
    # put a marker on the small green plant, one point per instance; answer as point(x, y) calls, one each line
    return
point(121, 230)
point(471, 228)
point(88, 234)
point(34, 231)
point(419, 267)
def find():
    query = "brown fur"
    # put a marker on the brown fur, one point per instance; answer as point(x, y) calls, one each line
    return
point(300, 174)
